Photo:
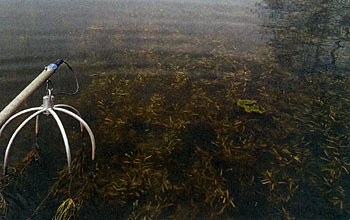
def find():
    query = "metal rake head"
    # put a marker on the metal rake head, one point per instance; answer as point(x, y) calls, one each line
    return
point(48, 108)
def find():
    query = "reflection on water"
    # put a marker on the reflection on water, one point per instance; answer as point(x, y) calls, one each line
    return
point(309, 36)
point(95, 35)
point(91, 31)
point(174, 140)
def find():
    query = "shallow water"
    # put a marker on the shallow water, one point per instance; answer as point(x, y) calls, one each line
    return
point(36, 31)
point(90, 33)
point(109, 36)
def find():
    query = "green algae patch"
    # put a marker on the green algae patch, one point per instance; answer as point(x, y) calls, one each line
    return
point(250, 106)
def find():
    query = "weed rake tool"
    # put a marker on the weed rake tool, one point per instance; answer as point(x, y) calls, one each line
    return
point(48, 108)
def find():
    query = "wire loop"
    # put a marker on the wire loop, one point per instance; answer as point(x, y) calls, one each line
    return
point(49, 84)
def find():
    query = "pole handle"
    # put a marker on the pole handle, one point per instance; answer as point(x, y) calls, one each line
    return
point(30, 89)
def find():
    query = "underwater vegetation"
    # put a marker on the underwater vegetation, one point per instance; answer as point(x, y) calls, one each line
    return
point(15, 174)
point(206, 137)
point(207, 134)
point(250, 141)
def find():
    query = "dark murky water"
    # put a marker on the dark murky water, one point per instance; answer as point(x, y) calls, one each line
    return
point(98, 36)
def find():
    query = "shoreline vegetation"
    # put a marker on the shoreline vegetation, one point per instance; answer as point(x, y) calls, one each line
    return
point(173, 143)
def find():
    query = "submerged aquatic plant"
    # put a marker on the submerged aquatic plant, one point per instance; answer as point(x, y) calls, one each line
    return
point(179, 145)
point(66, 210)
point(176, 142)
point(3, 206)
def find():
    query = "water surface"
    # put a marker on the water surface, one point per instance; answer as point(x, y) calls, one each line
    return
point(291, 56)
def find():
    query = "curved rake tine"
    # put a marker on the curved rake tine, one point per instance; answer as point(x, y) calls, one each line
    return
point(64, 136)
point(37, 126)
point(18, 114)
point(92, 138)
point(76, 112)
point(14, 135)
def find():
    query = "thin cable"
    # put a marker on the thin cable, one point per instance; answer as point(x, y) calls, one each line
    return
point(76, 83)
